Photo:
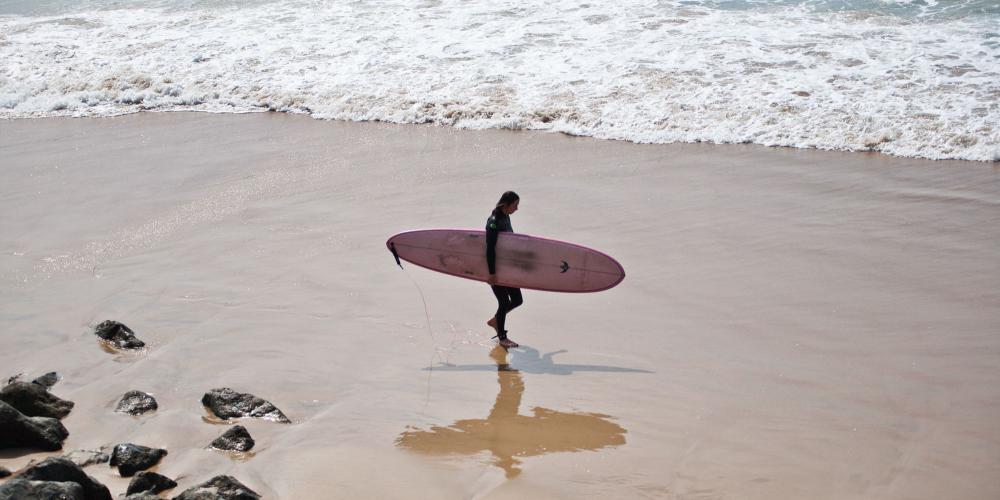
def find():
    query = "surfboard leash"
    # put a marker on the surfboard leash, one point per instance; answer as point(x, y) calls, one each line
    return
point(427, 317)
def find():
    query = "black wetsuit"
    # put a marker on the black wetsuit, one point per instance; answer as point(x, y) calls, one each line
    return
point(507, 297)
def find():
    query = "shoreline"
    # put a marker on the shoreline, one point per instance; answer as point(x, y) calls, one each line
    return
point(793, 323)
point(307, 114)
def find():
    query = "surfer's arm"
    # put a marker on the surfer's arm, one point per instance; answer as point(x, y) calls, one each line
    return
point(491, 248)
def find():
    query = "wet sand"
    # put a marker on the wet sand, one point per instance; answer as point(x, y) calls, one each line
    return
point(793, 324)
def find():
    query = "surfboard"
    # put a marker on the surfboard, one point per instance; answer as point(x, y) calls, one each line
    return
point(523, 261)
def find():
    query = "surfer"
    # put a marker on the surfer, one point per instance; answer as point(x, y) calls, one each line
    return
point(507, 297)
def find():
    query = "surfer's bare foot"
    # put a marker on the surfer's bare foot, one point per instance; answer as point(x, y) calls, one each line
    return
point(508, 343)
point(492, 323)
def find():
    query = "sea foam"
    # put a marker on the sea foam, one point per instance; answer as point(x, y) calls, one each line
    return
point(911, 79)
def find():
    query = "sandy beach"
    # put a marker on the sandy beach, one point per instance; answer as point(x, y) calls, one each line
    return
point(794, 324)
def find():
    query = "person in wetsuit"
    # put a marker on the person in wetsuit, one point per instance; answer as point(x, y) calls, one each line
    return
point(507, 297)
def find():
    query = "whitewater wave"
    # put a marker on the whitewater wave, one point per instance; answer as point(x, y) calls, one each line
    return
point(656, 72)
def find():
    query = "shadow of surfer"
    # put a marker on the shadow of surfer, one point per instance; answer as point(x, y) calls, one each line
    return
point(530, 360)
point(509, 436)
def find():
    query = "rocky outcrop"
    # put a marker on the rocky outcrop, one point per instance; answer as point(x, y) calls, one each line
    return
point(34, 400)
point(48, 380)
point(219, 488)
point(84, 458)
point(20, 431)
point(226, 403)
point(131, 458)
point(149, 482)
point(64, 471)
point(21, 489)
point(136, 403)
point(118, 335)
point(235, 439)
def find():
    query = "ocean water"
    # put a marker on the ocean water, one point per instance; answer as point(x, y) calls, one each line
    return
point(915, 78)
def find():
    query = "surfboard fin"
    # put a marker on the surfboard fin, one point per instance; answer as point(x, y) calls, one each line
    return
point(392, 248)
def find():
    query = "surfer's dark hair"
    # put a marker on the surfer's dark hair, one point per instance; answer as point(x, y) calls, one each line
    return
point(506, 199)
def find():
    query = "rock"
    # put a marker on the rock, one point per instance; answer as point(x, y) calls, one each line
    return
point(131, 458)
point(48, 380)
point(13, 379)
point(34, 400)
point(150, 482)
point(219, 487)
point(21, 489)
point(62, 470)
point(20, 431)
point(235, 439)
point(118, 334)
point(84, 458)
point(4, 472)
point(137, 403)
point(226, 403)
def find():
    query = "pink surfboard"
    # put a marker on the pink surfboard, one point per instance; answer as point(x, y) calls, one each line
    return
point(522, 261)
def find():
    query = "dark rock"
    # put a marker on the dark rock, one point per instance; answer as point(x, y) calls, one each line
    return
point(62, 470)
point(149, 482)
point(136, 403)
point(84, 458)
point(235, 439)
point(219, 488)
point(21, 489)
point(20, 431)
point(48, 380)
point(131, 458)
point(226, 403)
point(4, 472)
point(34, 400)
point(13, 379)
point(118, 334)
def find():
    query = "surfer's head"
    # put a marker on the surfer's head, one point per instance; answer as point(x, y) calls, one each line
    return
point(508, 203)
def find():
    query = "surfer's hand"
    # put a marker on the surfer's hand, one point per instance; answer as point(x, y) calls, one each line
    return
point(492, 279)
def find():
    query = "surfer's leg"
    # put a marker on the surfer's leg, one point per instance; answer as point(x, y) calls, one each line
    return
point(515, 298)
point(503, 305)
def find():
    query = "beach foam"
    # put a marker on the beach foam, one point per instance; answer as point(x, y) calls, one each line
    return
point(907, 78)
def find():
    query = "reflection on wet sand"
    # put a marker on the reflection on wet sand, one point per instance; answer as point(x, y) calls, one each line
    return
point(508, 435)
